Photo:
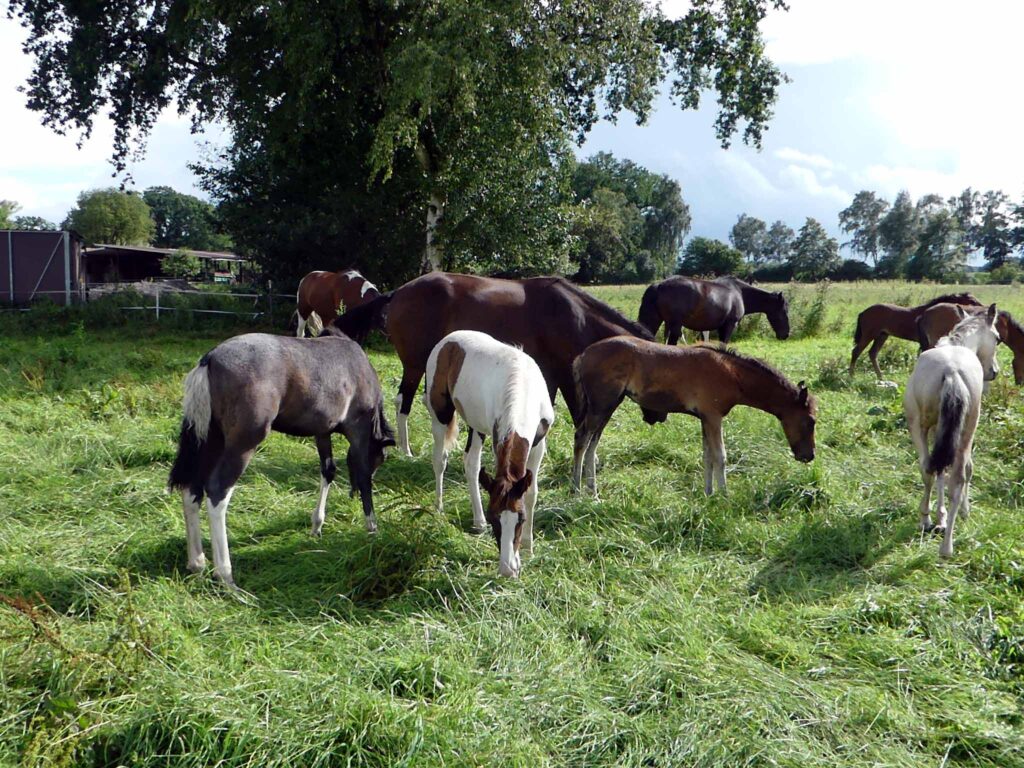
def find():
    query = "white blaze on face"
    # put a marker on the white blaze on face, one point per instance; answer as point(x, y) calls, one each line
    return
point(508, 559)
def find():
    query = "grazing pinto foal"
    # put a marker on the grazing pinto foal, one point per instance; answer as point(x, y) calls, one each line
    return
point(935, 322)
point(321, 294)
point(703, 381)
point(255, 383)
point(944, 394)
point(499, 391)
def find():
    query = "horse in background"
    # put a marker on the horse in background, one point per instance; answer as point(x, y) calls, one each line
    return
point(702, 381)
point(498, 390)
point(709, 305)
point(944, 394)
point(255, 383)
point(322, 294)
point(549, 317)
point(938, 320)
point(880, 321)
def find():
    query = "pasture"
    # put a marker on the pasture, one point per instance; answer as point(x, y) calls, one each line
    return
point(801, 620)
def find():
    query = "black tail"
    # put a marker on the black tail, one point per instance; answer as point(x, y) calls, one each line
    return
point(357, 323)
point(582, 401)
point(649, 317)
point(922, 336)
point(186, 463)
point(857, 331)
point(382, 431)
point(952, 411)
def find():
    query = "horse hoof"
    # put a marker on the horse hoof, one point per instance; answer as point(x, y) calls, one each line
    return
point(937, 529)
point(316, 533)
point(197, 567)
point(478, 529)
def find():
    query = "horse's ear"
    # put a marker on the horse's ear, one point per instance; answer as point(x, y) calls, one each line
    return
point(802, 394)
point(521, 485)
point(991, 314)
point(485, 480)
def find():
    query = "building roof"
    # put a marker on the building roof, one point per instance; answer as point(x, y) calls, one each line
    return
point(150, 250)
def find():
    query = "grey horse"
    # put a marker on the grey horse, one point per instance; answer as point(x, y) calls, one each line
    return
point(255, 383)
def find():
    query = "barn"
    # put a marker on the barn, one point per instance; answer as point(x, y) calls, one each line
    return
point(106, 263)
point(35, 265)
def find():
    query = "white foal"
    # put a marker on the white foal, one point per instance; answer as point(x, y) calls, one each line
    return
point(944, 394)
point(499, 391)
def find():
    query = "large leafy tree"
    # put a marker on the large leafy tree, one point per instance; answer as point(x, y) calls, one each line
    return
point(898, 236)
point(815, 253)
point(33, 224)
point(708, 257)
point(7, 210)
point(778, 244)
point(993, 233)
point(749, 236)
point(940, 253)
point(184, 221)
point(455, 116)
point(111, 216)
point(861, 220)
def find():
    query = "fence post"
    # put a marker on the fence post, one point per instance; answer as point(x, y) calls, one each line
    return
point(270, 301)
point(158, 302)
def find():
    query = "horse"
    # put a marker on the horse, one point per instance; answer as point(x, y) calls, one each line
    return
point(498, 390)
point(944, 394)
point(321, 294)
point(702, 381)
point(709, 305)
point(938, 320)
point(880, 321)
point(549, 317)
point(254, 383)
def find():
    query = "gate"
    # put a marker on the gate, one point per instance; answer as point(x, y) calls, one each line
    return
point(35, 265)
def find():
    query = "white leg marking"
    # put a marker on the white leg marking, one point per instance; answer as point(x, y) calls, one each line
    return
point(590, 462)
point(190, 506)
point(707, 336)
point(300, 331)
point(440, 461)
point(219, 538)
point(403, 426)
point(321, 508)
point(508, 563)
point(471, 463)
point(530, 499)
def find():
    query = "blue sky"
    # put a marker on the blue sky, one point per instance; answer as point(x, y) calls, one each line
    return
point(885, 95)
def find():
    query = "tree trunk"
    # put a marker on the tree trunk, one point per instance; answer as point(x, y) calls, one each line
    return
point(431, 253)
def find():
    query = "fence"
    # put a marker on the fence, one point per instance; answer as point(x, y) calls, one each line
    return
point(262, 303)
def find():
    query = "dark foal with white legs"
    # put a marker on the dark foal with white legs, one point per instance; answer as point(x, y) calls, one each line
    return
point(253, 384)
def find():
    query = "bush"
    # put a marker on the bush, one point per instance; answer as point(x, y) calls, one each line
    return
point(852, 269)
point(181, 264)
point(704, 256)
point(779, 272)
point(1010, 272)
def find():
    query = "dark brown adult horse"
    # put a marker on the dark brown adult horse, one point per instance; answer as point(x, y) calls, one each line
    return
point(322, 294)
point(880, 321)
point(550, 318)
point(938, 320)
point(703, 381)
point(709, 305)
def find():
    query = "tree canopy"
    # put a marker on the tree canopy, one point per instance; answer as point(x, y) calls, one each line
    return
point(184, 221)
point(709, 257)
point(111, 216)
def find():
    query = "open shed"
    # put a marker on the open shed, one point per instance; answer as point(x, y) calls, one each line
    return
point(129, 263)
point(36, 265)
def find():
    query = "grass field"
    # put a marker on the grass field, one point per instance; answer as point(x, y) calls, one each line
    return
point(799, 621)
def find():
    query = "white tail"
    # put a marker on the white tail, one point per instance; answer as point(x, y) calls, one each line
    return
point(315, 324)
point(197, 400)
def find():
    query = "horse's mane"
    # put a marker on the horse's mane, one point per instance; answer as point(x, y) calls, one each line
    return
point(966, 327)
point(602, 310)
point(951, 298)
point(754, 362)
point(1012, 322)
point(332, 330)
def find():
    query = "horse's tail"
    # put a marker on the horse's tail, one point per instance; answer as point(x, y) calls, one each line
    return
point(357, 322)
point(649, 317)
point(382, 431)
point(858, 331)
point(952, 413)
point(582, 401)
point(195, 426)
point(314, 323)
point(922, 334)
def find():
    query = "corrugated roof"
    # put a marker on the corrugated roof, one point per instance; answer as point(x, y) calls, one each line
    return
point(210, 255)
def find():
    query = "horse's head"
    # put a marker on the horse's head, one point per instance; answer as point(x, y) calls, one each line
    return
point(505, 514)
point(979, 333)
point(778, 315)
point(798, 423)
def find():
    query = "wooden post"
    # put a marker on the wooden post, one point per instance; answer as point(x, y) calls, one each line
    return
point(270, 301)
point(158, 302)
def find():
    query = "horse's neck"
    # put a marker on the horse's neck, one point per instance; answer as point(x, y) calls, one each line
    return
point(754, 299)
point(512, 454)
point(1014, 338)
point(762, 390)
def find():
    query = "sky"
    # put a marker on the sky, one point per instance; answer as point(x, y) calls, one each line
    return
point(885, 95)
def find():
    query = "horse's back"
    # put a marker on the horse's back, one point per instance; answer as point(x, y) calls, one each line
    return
point(933, 367)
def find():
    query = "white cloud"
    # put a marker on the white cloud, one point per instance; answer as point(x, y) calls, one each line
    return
point(743, 173)
point(805, 181)
point(788, 154)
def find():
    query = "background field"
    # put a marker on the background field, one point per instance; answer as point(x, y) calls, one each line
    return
point(799, 621)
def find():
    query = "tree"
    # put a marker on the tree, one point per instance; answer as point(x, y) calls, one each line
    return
point(184, 221)
point(993, 233)
point(778, 244)
point(181, 264)
point(705, 256)
point(465, 110)
point(33, 224)
point(111, 216)
point(7, 210)
point(862, 220)
point(608, 228)
point(749, 236)
point(815, 253)
point(940, 253)
point(898, 236)
point(964, 208)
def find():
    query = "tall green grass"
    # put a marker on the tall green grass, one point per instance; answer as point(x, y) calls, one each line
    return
point(801, 620)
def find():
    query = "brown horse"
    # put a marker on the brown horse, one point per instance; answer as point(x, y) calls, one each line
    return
point(703, 381)
point(937, 321)
point(549, 317)
point(709, 305)
point(321, 294)
point(880, 321)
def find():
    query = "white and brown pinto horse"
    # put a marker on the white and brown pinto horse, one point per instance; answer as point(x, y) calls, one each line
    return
point(702, 381)
point(944, 394)
point(498, 390)
point(322, 294)
point(255, 383)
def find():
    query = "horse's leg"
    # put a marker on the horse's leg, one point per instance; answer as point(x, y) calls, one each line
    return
point(471, 463)
point(440, 461)
point(957, 484)
point(360, 472)
point(530, 498)
point(920, 439)
point(875, 349)
point(580, 444)
point(725, 332)
point(328, 470)
point(598, 423)
point(403, 404)
point(858, 348)
point(965, 502)
point(191, 499)
point(673, 333)
point(707, 336)
point(219, 488)
point(300, 329)
point(940, 502)
point(712, 428)
point(709, 488)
